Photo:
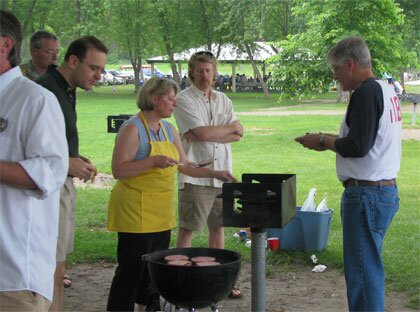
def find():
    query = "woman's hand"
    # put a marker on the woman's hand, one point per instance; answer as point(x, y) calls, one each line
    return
point(163, 161)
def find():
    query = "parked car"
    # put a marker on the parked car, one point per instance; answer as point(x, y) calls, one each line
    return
point(104, 80)
point(147, 71)
point(110, 79)
point(127, 76)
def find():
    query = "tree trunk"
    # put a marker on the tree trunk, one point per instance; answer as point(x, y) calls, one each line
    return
point(135, 60)
point(137, 67)
point(205, 20)
point(274, 49)
point(342, 96)
point(255, 67)
point(78, 17)
point(402, 78)
point(136, 78)
point(133, 42)
point(168, 46)
point(219, 49)
point(28, 18)
point(286, 29)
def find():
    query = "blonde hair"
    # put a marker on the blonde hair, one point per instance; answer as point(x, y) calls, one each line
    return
point(154, 86)
point(204, 57)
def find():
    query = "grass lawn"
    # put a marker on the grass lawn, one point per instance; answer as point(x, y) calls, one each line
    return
point(267, 147)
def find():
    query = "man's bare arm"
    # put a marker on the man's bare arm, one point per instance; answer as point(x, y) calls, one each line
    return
point(13, 174)
point(220, 134)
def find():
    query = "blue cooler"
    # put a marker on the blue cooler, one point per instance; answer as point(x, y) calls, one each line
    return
point(307, 231)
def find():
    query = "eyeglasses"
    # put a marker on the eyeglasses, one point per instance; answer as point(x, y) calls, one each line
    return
point(50, 52)
point(208, 53)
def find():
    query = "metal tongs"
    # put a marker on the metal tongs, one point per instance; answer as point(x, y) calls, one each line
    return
point(197, 165)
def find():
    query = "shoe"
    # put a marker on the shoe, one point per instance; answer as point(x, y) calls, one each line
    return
point(235, 293)
point(67, 281)
point(166, 306)
point(154, 303)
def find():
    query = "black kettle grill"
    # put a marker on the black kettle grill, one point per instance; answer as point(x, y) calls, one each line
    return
point(193, 287)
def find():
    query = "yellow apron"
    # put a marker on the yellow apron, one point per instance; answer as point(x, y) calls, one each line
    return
point(146, 203)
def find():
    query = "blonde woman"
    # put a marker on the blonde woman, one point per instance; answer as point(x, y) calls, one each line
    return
point(147, 155)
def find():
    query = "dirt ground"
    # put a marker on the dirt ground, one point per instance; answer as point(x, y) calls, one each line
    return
point(300, 290)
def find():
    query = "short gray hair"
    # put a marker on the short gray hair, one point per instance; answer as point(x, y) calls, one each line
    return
point(38, 36)
point(10, 27)
point(352, 47)
point(154, 86)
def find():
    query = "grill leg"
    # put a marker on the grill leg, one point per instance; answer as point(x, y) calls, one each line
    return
point(258, 238)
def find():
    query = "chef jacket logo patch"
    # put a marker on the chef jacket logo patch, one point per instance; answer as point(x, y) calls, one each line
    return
point(3, 123)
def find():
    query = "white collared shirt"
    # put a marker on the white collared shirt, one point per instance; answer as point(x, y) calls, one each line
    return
point(35, 138)
point(195, 110)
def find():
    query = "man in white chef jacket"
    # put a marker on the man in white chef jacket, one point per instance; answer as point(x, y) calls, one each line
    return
point(33, 166)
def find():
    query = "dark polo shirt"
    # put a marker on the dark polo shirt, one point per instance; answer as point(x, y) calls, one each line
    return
point(55, 82)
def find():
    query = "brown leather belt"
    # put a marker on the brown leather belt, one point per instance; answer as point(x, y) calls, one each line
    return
point(354, 182)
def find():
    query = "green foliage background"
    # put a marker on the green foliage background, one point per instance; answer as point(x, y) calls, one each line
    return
point(301, 65)
point(300, 31)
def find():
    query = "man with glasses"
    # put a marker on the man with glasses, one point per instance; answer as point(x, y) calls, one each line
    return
point(368, 157)
point(33, 168)
point(44, 52)
point(82, 66)
point(207, 124)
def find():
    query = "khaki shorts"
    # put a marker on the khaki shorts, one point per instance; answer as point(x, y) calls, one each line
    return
point(198, 205)
point(23, 300)
point(66, 226)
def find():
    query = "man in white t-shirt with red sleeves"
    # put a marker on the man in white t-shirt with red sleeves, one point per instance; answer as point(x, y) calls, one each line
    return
point(368, 150)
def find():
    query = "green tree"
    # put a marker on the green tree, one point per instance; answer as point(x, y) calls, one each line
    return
point(242, 28)
point(131, 28)
point(73, 19)
point(184, 24)
point(411, 30)
point(208, 19)
point(67, 19)
point(170, 30)
point(300, 66)
point(249, 21)
point(23, 10)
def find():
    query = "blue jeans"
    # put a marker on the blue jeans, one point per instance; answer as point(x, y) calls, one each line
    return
point(366, 213)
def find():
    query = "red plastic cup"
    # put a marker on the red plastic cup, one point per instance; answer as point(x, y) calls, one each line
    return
point(273, 243)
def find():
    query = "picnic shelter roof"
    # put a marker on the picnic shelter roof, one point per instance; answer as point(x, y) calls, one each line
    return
point(229, 53)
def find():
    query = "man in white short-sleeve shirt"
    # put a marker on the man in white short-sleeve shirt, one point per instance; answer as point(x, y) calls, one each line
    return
point(33, 166)
point(207, 125)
